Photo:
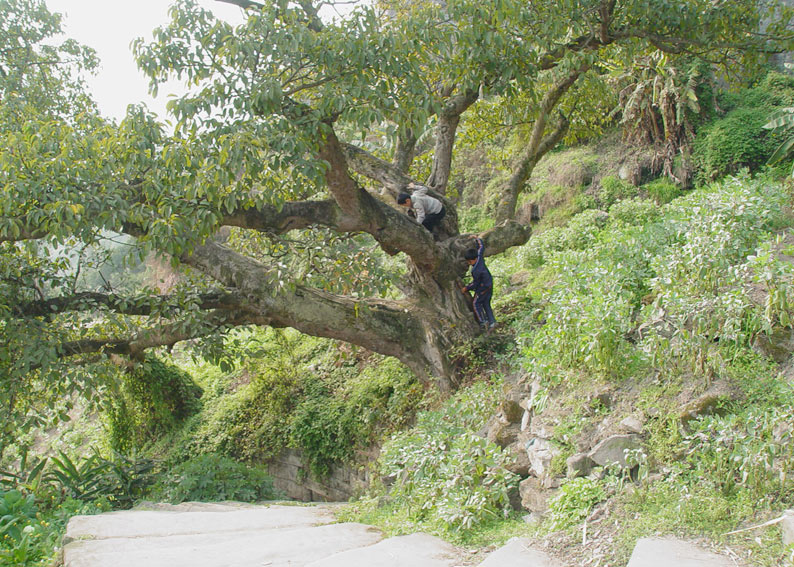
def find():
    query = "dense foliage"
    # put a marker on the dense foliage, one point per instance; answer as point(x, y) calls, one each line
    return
point(630, 283)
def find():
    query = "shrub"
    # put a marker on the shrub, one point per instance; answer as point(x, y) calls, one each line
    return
point(736, 141)
point(751, 451)
point(574, 501)
point(209, 478)
point(329, 426)
point(445, 477)
point(662, 190)
point(250, 424)
point(614, 189)
point(633, 212)
point(119, 481)
point(154, 398)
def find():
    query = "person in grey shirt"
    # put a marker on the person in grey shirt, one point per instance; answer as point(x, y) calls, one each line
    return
point(429, 211)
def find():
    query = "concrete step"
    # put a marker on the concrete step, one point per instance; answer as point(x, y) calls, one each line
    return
point(250, 537)
point(194, 518)
point(666, 552)
point(519, 552)
point(415, 550)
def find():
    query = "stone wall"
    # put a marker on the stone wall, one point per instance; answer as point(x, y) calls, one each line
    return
point(291, 475)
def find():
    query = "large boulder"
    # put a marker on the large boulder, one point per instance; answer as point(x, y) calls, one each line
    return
point(541, 452)
point(520, 464)
point(612, 450)
point(534, 497)
point(579, 465)
point(503, 434)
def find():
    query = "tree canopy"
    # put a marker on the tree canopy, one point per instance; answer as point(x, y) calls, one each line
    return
point(273, 190)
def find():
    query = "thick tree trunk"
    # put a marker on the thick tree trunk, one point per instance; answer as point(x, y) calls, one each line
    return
point(421, 330)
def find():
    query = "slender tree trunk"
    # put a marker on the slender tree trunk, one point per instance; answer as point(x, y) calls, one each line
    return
point(404, 152)
point(446, 129)
point(539, 145)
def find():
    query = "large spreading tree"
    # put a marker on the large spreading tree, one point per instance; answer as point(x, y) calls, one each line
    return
point(272, 189)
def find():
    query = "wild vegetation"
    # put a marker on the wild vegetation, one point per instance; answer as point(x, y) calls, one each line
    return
point(147, 279)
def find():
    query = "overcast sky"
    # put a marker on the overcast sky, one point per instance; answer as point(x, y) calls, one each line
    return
point(110, 26)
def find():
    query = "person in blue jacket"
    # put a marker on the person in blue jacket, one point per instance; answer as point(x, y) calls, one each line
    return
point(482, 285)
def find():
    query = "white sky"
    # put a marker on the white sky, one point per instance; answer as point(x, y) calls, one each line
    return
point(110, 26)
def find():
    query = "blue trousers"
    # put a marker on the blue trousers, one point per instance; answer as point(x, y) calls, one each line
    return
point(482, 306)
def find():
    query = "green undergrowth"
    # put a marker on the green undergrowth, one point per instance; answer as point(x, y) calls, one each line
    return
point(293, 391)
point(440, 476)
point(655, 302)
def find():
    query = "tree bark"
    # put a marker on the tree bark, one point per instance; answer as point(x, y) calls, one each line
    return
point(540, 143)
point(446, 129)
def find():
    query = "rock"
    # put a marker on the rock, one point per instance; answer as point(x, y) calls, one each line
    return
point(531, 518)
point(528, 403)
point(603, 398)
point(579, 465)
point(525, 419)
point(632, 424)
point(520, 464)
point(787, 527)
point(538, 427)
point(514, 497)
point(540, 453)
point(668, 552)
point(708, 403)
point(534, 497)
point(503, 434)
point(510, 410)
point(548, 482)
point(519, 551)
point(613, 450)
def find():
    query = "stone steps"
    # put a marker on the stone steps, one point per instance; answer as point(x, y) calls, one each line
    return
point(240, 535)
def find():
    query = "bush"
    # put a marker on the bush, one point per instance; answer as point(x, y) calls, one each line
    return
point(447, 479)
point(154, 398)
point(329, 426)
point(250, 424)
point(633, 212)
point(614, 189)
point(734, 142)
point(752, 451)
point(574, 501)
point(211, 478)
point(662, 190)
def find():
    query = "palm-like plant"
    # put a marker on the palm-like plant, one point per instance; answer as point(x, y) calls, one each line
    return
point(783, 123)
point(659, 104)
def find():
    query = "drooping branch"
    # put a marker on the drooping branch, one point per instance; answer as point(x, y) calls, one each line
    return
point(164, 336)
point(497, 239)
point(140, 305)
point(390, 176)
point(291, 216)
point(381, 325)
